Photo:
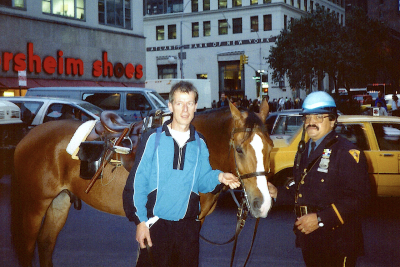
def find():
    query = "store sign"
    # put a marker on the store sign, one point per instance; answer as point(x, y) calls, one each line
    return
point(213, 44)
point(64, 65)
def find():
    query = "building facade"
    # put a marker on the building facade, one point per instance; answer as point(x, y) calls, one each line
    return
point(209, 39)
point(71, 43)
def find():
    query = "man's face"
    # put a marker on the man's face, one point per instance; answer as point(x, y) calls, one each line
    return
point(318, 125)
point(223, 96)
point(183, 108)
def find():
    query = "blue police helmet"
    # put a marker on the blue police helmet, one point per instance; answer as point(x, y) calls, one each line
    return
point(318, 103)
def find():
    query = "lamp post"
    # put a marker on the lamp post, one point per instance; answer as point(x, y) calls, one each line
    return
point(181, 45)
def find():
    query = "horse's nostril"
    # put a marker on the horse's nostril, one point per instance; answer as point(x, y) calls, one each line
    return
point(257, 203)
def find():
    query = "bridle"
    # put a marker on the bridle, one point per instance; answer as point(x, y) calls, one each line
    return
point(241, 177)
point(244, 206)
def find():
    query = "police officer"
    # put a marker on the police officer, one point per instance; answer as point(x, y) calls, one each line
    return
point(331, 189)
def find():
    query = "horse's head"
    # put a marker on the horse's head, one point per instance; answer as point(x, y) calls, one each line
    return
point(251, 147)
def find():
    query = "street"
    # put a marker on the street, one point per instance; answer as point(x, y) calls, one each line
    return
point(94, 238)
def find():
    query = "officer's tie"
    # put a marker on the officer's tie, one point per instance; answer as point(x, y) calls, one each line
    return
point(312, 148)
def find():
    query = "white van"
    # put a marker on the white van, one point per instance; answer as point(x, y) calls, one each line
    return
point(131, 103)
point(12, 130)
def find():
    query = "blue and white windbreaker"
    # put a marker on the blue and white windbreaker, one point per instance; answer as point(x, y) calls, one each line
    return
point(165, 180)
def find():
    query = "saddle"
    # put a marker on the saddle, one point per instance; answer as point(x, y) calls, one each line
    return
point(112, 140)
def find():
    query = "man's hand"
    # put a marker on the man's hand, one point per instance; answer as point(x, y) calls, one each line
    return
point(307, 223)
point(229, 179)
point(142, 234)
point(273, 191)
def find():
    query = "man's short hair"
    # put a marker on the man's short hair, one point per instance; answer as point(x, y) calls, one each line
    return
point(184, 87)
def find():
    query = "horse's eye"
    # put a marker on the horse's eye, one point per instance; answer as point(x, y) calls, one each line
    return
point(239, 150)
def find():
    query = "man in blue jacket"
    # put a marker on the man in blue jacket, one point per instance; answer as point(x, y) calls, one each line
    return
point(162, 191)
point(331, 189)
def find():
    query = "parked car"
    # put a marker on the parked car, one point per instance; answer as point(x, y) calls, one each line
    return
point(38, 110)
point(131, 103)
point(378, 137)
point(12, 130)
point(283, 124)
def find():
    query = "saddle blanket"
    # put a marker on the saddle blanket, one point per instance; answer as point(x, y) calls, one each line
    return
point(79, 136)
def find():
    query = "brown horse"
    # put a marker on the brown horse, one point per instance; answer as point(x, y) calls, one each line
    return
point(46, 175)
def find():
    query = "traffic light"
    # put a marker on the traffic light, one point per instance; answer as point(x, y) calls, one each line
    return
point(265, 90)
point(245, 59)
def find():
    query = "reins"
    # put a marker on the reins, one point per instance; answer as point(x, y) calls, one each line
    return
point(242, 208)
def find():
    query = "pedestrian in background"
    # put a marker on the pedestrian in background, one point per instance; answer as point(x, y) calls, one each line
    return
point(223, 102)
point(395, 106)
point(331, 189)
point(162, 191)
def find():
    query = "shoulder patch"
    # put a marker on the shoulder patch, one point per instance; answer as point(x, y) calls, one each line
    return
point(356, 154)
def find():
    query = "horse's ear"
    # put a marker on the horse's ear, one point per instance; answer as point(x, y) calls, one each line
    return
point(235, 112)
point(264, 109)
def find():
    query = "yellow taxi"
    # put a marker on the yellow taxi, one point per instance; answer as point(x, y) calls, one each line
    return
point(378, 137)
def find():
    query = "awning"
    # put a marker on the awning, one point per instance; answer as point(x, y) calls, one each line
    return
point(12, 83)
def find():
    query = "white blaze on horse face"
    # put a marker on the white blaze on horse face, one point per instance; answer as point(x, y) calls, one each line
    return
point(257, 145)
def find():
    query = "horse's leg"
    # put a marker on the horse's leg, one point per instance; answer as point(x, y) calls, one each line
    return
point(25, 225)
point(208, 202)
point(54, 221)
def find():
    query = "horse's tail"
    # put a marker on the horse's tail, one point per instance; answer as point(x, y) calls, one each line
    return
point(19, 241)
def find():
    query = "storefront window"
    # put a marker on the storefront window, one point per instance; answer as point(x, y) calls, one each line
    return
point(115, 13)
point(66, 8)
point(230, 78)
point(167, 71)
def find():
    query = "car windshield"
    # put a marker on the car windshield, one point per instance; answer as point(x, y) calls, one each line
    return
point(91, 108)
point(158, 101)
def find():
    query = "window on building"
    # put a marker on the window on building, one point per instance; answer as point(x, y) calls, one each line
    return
point(292, 2)
point(195, 5)
point(67, 8)
point(237, 25)
point(206, 28)
point(202, 76)
point(267, 1)
point(195, 29)
point(299, 4)
point(222, 27)
point(312, 6)
point(172, 31)
point(15, 3)
point(115, 13)
point(305, 5)
point(268, 22)
point(253, 2)
point(206, 5)
point(254, 23)
point(285, 22)
point(159, 33)
point(167, 71)
point(236, 3)
point(222, 4)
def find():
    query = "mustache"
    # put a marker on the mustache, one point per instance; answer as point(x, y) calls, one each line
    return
point(312, 125)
